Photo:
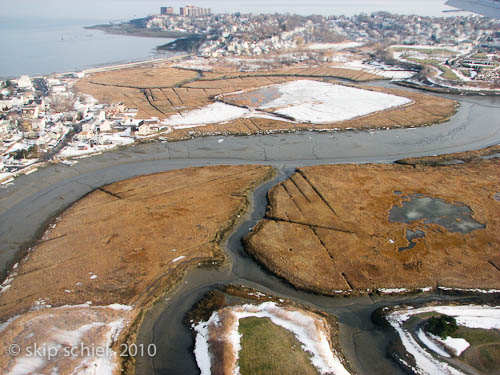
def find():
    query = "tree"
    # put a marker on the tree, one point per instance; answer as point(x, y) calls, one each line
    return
point(443, 326)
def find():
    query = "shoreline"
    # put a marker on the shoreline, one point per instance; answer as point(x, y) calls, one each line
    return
point(130, 30)
point(448, 90)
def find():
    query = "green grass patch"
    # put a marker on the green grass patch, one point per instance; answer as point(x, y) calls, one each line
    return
point(485, 358)
point(478, 336)
point(447, 72)
point(429, 51)
point(484, 352)
point(267, 349)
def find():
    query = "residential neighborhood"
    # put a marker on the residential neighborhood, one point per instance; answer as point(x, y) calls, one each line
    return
point(43, 120)
point(255, 34)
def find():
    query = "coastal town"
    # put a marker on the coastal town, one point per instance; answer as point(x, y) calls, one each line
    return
point(44, 119)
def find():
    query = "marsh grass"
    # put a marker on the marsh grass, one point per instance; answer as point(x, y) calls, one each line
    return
point(484, 352)
point(271, 350)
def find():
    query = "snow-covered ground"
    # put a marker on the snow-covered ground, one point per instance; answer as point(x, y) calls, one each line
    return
point(463, 86)
point(64, 340)
point(380, 70)
point(322, 103)
point(439, 47)
point(5, 176)
point(429, 341)
point(334, 46)
point(211, 114)
point(485, 317)
point(392, 290)
point(73, 150)
point(310, 330)
point(452, 344)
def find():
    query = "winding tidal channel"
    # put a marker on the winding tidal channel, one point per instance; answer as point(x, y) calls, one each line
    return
point(31, 202)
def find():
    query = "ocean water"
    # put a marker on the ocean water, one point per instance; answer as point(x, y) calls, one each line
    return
point(43, 37)
point(43, 46)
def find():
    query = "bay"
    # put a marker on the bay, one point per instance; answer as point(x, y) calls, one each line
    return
point(42, 46)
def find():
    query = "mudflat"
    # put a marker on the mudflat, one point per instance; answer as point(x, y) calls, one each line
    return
point(360, 228)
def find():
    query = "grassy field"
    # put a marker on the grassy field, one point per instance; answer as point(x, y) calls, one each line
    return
point(484, 352)
point(479, 56)
point(429, 51)
point(269, 349)
point(447, 72)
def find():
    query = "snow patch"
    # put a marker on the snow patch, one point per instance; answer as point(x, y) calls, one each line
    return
point(484, 291)
point(322, 103)
point(456, 345)
point(27, 365)
point(392, 290)
point(201, 350)
point(91, 327)
point(429, 342)
point(305, 101)
point(211, 114)
point(335, 46)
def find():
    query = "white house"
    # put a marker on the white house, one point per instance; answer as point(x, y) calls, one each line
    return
point(144, 129)
point(88, 127)
point(4, 127)
point(24, 82)
point(102, 115)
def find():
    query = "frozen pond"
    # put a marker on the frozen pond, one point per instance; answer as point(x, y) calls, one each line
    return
point(316, 102)
point(454, 217)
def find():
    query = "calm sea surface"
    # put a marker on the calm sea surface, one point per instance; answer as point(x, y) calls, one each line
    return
point(42, 37)
point(43, 46)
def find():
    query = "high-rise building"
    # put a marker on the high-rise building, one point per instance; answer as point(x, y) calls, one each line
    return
point(192, 11)
point(166, 10)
